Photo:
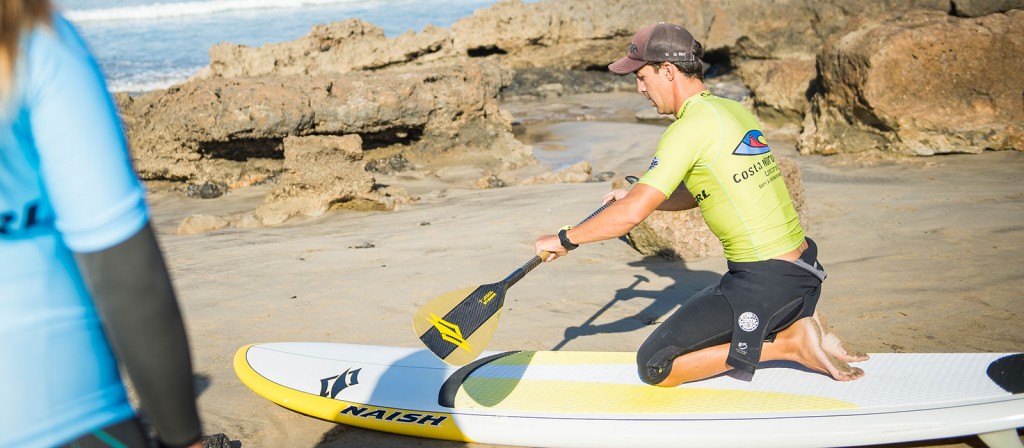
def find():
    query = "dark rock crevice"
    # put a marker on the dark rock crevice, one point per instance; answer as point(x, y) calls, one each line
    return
point(400, 135)
point(482, 52)
point(241, 150)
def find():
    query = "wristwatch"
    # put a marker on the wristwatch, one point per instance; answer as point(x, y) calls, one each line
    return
point(564, 239)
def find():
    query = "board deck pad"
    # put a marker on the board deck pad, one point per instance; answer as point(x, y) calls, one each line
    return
point(597, 398)
point(589, 382)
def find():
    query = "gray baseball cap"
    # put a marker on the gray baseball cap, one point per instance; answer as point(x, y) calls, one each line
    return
point(663, 42)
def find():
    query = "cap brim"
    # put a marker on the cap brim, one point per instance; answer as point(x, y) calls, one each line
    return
point(626, 66)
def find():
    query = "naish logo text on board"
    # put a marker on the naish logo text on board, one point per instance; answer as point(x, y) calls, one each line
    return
point(449, 332)
point(349, 378)
point(392, 415)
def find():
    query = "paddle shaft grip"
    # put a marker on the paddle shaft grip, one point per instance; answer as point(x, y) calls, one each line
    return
point(518, 274)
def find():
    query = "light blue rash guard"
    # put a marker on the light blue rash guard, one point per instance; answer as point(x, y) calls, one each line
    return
point(66, 185)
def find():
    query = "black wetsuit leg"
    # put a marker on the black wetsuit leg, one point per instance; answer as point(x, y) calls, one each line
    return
point(702, 321)
point(788, 293)
point(705, 320)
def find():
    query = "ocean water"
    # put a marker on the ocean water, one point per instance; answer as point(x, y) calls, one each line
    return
point(151, 44)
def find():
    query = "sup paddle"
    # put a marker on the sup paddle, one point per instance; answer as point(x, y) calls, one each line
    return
point(457, 326)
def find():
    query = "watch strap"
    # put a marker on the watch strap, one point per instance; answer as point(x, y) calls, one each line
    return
point(564, 239)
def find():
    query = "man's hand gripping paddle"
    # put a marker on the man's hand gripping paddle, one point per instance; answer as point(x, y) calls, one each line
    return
point(457, 326)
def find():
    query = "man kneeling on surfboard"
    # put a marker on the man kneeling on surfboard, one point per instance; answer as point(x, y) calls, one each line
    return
point(715, 157)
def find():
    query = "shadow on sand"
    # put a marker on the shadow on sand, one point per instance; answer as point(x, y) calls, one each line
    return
point(685, 283)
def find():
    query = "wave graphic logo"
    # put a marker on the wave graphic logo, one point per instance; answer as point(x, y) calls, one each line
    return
point(449, 332)
point(753, 144)
point(349, 378)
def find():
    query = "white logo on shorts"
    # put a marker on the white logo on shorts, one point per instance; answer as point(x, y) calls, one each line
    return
point(748, 321)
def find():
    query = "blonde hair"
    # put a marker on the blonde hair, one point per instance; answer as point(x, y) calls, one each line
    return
point(16, 16)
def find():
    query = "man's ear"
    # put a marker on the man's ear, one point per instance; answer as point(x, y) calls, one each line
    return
point(670, 71)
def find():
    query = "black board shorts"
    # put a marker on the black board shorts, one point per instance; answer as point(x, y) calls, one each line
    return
point(751, 304)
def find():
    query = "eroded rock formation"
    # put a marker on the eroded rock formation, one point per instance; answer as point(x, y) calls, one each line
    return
point(921, 83)
point(232, 131)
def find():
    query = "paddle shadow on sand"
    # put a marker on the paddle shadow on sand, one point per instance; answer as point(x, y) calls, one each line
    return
point(685, 284)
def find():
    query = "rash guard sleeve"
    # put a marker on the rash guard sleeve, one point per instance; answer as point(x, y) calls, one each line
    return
point(83, 157)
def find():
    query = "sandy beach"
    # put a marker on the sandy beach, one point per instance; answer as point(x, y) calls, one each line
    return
point(923, 255)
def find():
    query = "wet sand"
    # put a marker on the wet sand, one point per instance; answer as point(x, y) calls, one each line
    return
point(923, 255)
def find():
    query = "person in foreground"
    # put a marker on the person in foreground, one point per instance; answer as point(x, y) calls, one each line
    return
point(715, 157)
point(83, 284)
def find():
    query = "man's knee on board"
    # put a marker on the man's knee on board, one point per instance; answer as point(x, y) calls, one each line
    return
point(655, 367)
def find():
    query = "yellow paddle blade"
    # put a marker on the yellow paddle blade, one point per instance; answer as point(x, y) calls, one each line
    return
point(457, 326)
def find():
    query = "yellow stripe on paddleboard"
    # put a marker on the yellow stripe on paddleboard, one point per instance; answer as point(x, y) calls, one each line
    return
point(582, 397)
point(436, 425)
point(571, 397)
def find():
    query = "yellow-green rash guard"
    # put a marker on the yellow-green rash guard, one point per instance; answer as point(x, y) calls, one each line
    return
point(716, 149)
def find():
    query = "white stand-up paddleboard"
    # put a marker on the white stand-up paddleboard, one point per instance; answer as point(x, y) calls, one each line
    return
point(596, 399)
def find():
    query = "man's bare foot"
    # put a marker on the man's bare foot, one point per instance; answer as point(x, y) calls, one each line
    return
point(835, 346)
point(806, 338)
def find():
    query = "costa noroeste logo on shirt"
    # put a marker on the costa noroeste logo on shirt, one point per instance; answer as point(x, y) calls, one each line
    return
point(753, 144)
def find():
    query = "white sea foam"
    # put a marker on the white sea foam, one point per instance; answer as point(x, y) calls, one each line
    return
point(187, 9)
point(145, 81)
point(143, 45)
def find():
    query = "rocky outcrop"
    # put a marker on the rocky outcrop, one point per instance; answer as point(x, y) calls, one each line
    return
point(921, 83)
point(335, 48)
point(773, 45)
point(753, 29)
point(685, 235)
point(315, 134)
point(575, 34)
point(783, 88)
point(323, 173)
point(978, 8)
point(232, 131)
